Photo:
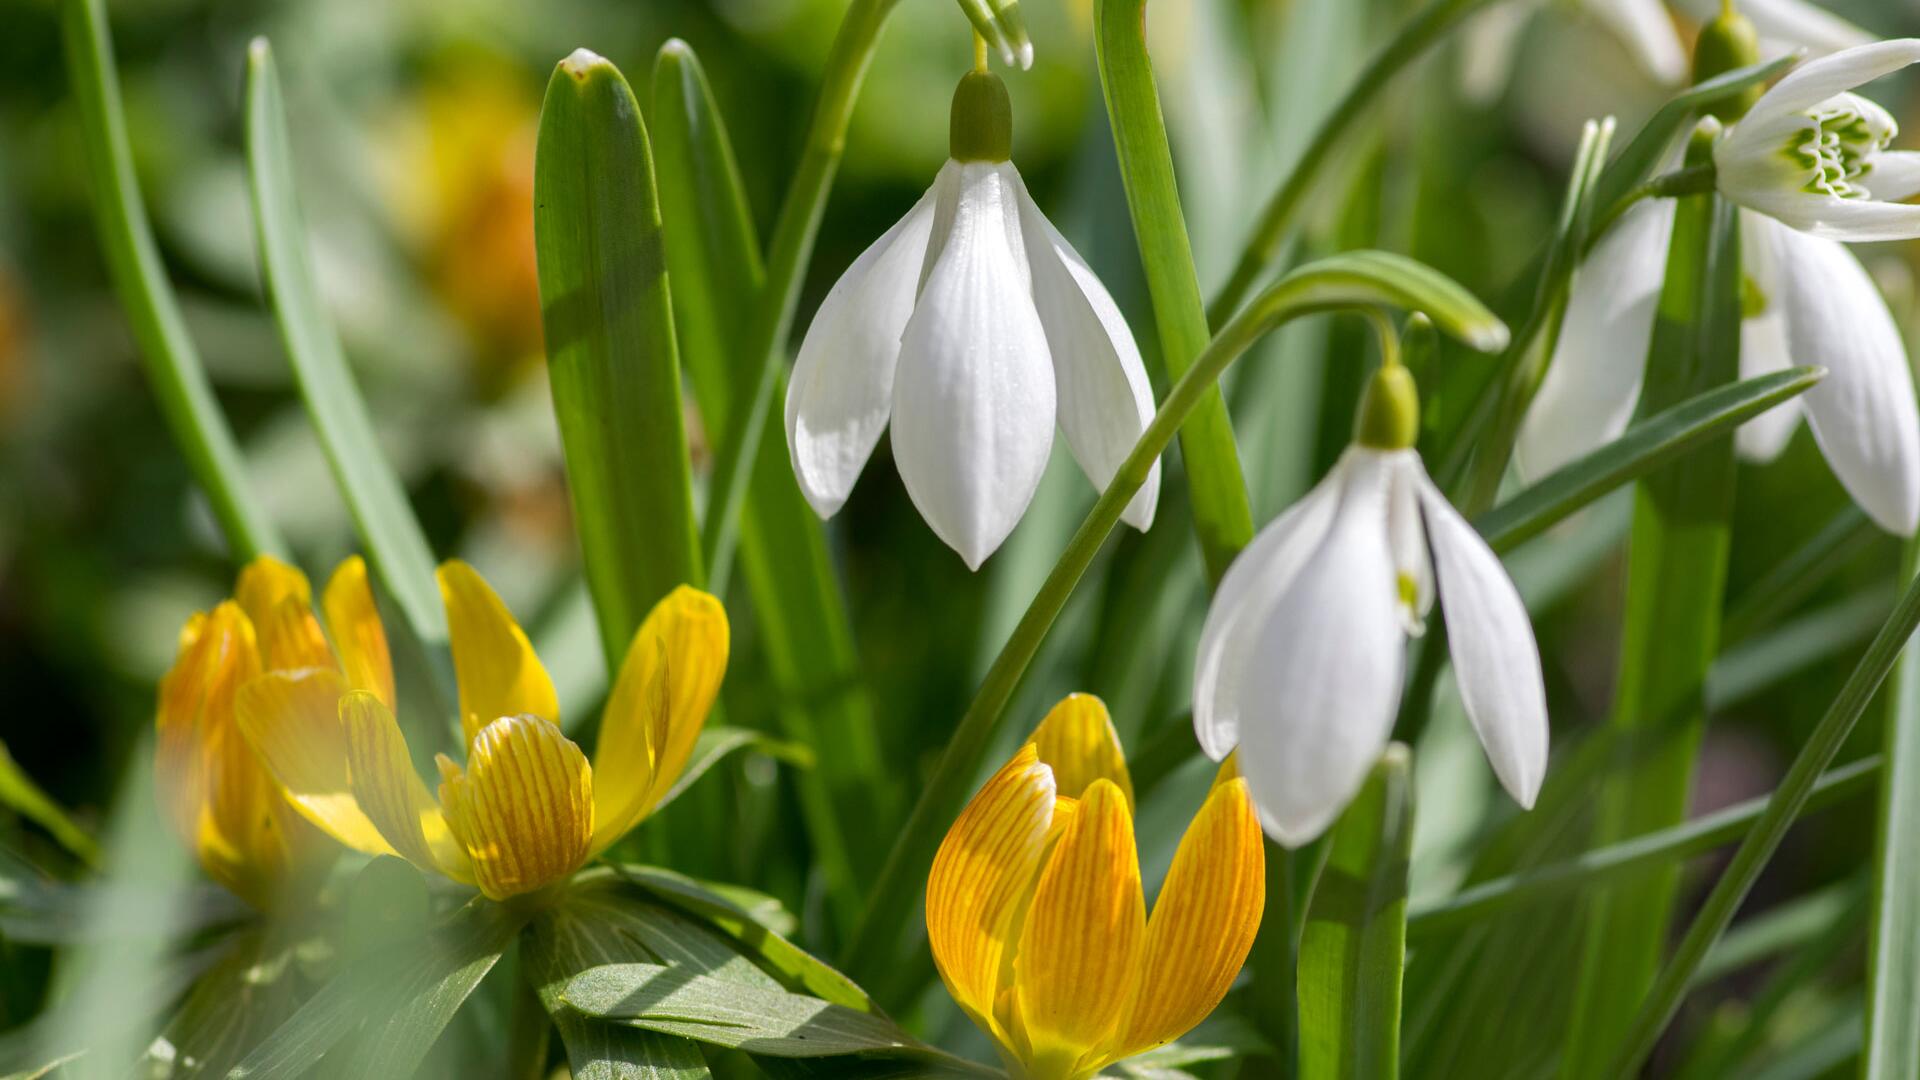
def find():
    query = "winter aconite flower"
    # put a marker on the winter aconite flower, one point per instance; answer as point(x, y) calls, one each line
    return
point(526, 810)
point(1809, 163)
point(213, 790)
point(973, 328)
point(1302, 656)
point(1037, 920)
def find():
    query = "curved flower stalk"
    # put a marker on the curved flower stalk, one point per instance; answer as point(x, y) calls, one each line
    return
point(972, 327)
point(1037, 920)
point(213, 790)
point(1302, 657)
point(526, 810)
point(1810, 166)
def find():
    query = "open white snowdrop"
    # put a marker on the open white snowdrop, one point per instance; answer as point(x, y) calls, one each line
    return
point(1302, 657)
point(1810, 168)
point(973, 328)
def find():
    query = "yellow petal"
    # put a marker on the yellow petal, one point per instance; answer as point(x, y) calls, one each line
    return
point(524, 807)
point(292, 720)
point(354, 620)
point(493, 661)
point(981, 881)
point(1079, 954)
point(216, 653)
point(390, 793)
point(279, 602)
point(1078, 742)
point(1204, 920)
point(659, 702)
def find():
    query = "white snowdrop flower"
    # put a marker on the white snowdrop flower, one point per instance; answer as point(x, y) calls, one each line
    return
point(1302, 657)
point(1785, 26)
point(1809, 299)
point(973, 328)
point(1491, 42)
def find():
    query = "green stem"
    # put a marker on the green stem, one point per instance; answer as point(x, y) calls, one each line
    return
point(1893, 977)
point(1221, 514)
point(1788, 800)
point(1277, 220)
point(133, 259)
point(792, 247)
point(1353, 280)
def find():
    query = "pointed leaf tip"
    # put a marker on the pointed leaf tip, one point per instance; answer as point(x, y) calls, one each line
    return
point(581, 61)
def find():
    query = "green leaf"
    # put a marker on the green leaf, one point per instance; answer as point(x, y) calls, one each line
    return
point(172, 363)
point(1217, 489)
point(382, 1014)
point(24, 797)
point(674, 1000)
point(1677, 566)
point(1793, 579)
point(1358, 279)
point(396, 546)
point(1354, 947)
point(611, 350)
point(798, 605)
point(1646, 447)
point(251, 990)
point(1786, 804)
point(1893, 966)
point(716, 743)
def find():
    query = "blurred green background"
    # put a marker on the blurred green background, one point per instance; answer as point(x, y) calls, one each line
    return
point(414, 122)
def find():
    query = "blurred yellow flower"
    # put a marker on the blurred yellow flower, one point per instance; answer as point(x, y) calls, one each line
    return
point(525, 811)
point(1036, 916)
point(213, 789)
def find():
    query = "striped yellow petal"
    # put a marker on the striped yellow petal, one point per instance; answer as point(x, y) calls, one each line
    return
point(523, 808)
point(1079, 954)
point(493, 661)
point(659, 702)
point(981, 881)
point(1204, 920)
point(354, 621)
point(391, 793)
point(1078, 742)
point(292, 720)
point(213, 649)
point(279, 603)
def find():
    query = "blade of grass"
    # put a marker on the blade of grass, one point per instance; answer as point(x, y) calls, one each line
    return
point(1797, 576)
point(611, 349)
point(26, 798)
point(395, 543)
point(1355, 279)
point(173, 365)
point(1677, 565)
point(1893, 960)
point(1354, 946)
point(1217, 488)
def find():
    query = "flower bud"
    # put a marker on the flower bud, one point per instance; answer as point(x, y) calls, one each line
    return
point(1389, 410)
point(1727, 43)
point(982, 127)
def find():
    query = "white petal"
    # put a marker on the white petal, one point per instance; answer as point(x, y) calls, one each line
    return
point(1243, 603)
point(1854, 221)
point(1763, 339)
point(1320, 698)
point(1648, 32)
point(1411, 560)
point(842, 386)
point(1105, 400)
point(1593, 383)
point(1895, 175)
point(1815, 81)
point(1797, 24)
point(1862, 414)
point(973, 398)
point(1489, 44)
point(1495, 659)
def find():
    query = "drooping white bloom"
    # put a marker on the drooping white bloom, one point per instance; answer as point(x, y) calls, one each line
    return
point(1811, 302)
point(1814, 155)
point(1303, 654)
point(973, 328)
point(1784, 26)
point(1492, 40)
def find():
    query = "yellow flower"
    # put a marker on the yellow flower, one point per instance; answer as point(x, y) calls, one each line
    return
point(525, 811)
point(1036, 917)
point(213, 789)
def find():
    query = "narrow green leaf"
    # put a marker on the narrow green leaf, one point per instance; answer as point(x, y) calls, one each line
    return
point(1779, 930)
point(798, 605)
point(172, 363)
point(1793, 579)
point(611, 350)
point(1646, 447)
point(716, 743)
point(1614, 862)
point(1217, 489)
point(1677, 565)
point(396, 546)
point(24, 797)
point(1354, 947)
point(1359, 279)
point(1786, 804)
point(1893, 966)
point(248, 993)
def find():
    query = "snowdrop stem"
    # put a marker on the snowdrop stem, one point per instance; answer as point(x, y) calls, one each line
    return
point(979, 52)
point(1692, 180)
